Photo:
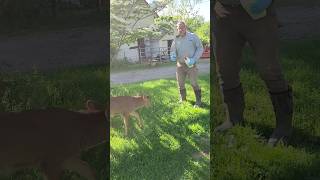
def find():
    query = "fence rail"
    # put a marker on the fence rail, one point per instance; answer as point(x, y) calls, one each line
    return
point(154, 54)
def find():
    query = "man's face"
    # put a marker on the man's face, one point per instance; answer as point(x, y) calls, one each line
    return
point(181, 28)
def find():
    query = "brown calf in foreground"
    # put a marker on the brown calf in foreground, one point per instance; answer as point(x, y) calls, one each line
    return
point(51, 139)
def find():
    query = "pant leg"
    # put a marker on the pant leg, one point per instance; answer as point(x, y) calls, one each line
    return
point(193, 76)
point(264, 40)
point(228, 50)
point(228, 45)
point(181, 76)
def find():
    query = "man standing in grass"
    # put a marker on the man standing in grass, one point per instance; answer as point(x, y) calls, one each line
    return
point(186, 49)
point(254, 21)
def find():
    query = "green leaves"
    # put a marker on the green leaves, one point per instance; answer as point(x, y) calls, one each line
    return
point(204, 33)
point(131, 20)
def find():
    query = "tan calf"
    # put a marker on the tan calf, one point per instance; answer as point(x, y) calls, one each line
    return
point(126, 106)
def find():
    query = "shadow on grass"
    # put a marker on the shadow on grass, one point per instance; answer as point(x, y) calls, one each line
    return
point(164, 148)
point(300, 138)
point(172, 157)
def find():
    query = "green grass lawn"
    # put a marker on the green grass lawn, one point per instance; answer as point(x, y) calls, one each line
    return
point(68, 89)
point(173, 134)
point(242, 152)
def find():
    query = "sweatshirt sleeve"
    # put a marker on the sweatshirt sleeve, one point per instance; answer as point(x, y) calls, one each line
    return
point(173, 47)
point(199, 48)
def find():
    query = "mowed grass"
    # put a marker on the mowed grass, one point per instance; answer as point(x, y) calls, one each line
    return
point(173, 137)
point(68, 89)
point(242, 152)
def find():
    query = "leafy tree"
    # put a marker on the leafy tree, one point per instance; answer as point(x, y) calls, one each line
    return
point(194, 23)
point(167, 25)
point(125, 16)
point(204, 33)
point(184, 10)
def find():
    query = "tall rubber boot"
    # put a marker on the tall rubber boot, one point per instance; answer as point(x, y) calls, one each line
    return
point(283, 107)
point(198, 98)
point(183, 95)
point(234, 105)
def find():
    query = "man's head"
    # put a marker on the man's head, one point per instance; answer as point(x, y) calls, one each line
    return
point(181, 28)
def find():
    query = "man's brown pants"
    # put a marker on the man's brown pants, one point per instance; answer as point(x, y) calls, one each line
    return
point(232, 33)
point(182, 72)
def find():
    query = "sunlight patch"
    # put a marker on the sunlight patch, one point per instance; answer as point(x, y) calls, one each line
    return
point(195, 164)
point(196, 128)
point(187, 112)
point(121, 145)
point(161, 82)
point(169, 142)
